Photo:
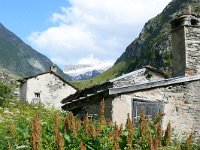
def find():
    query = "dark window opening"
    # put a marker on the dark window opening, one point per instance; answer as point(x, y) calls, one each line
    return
point(194, 22)
point(175, 24)
point(148, 76)
point(150, 109)
point(37, 95)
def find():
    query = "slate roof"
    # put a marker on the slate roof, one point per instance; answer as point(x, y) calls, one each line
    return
point(87, 92)
point(153, 84)
point(140, 71)
point(23, 80)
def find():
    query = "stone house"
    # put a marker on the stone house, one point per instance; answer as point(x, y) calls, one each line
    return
point(47, 88)
point(148, 90)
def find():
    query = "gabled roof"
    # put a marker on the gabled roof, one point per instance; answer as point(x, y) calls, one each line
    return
point(133, 73)
point(72, 96)
point(86, 100)
point(153, 84)
point(138, 72)
point(51, 72)
point(156, 71)
point(87, 92)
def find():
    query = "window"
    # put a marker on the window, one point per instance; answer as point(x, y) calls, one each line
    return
point(37, 95)
point(194, 22)
point(149, 108)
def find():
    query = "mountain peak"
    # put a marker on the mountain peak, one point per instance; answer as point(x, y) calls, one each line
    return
point(19, 58)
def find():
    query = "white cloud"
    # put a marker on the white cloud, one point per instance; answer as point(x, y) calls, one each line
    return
point(100, 29)
point(89, 60)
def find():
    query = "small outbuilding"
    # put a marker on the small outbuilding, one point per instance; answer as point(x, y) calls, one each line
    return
point(47, 88)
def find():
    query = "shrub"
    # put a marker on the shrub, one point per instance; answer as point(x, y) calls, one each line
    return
point(5, 92)
point(33, 127)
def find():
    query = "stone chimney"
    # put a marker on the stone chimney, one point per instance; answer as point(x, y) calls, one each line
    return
point(53, 68)
point(186, 44)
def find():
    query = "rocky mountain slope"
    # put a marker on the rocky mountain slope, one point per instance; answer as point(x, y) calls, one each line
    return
point(153, 46)
point(20, 58)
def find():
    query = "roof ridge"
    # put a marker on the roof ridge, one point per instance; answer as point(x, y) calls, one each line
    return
point(22, 80)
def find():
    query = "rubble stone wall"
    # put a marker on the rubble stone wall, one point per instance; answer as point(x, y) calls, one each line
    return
point(181, 106)
point(93, 110)
point(192, 35)
point(51, 89)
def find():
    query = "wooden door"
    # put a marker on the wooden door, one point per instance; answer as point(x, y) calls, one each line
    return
point(149, 108)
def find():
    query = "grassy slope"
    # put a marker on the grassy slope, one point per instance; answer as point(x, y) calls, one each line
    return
point(13, 75)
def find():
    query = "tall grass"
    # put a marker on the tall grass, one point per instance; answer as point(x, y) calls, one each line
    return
point(34, 127)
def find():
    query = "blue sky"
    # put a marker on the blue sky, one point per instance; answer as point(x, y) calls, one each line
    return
point(25, 16)
point(78, 31)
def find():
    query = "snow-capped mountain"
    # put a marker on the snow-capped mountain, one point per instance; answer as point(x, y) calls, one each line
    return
point(84, 72)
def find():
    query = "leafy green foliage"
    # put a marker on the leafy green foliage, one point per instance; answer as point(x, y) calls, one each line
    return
point(20, 123)
point(15, 123)
point(5, 92)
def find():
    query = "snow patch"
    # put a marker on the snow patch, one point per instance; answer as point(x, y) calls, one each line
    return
point(101, 66)
point(84, 72)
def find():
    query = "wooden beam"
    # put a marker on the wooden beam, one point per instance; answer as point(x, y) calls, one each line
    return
point(85, 101)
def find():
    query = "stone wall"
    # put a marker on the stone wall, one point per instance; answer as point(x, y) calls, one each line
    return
point(121, 106)
point(23, 89)
point(185, 50)
point(192, 43)
point(181, 106)
point(51, 89)
point(178, 52)
point(93, 110)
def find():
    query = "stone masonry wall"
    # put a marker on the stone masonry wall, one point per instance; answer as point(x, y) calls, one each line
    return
point(121, 106)
point(181, 106)
point(93, 110)
point(178, 52)
point(51, 89)
point(23, 89)
point(192, 42)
